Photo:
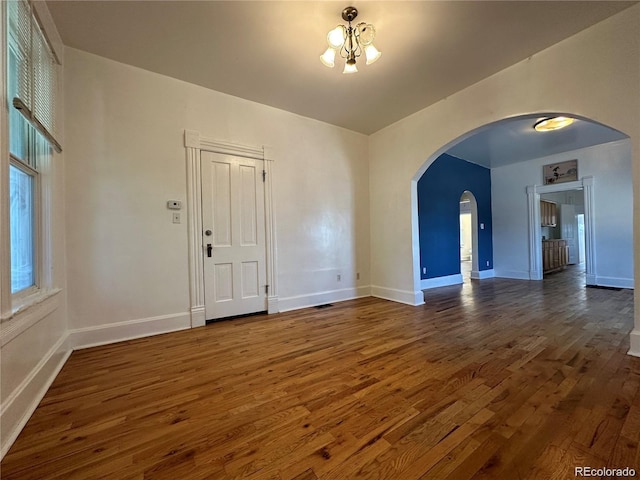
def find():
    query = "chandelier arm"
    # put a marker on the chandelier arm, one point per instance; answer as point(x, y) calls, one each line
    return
point(344, 50)
point(357, 51)
point(351, 48)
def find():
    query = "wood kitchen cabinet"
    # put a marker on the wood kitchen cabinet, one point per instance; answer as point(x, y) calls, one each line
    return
point(548, 213)
point(555, 255)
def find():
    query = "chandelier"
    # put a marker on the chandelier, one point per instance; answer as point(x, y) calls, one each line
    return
point(350, 42)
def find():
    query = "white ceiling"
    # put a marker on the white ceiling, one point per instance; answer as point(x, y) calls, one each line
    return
point(267, 51)
point(515, 140)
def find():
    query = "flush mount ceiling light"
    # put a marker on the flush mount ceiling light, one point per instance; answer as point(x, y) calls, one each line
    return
point(555, 123)
point(350, 42)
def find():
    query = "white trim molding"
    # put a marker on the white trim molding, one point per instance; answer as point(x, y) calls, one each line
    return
point(513, 274)
point(612, 282)
point(194, 144)
point(5, 216)
point(23, 401)
point(482, 274)
point(198, 318)
point(217, 146)
point(80, 338)
point(586, 184)
point(314, 299)
point(270, 231)
point(40, 305)
point(194, 224)
point(444, 281)
point(635, 343)
point(402, 296)
point(273, 305)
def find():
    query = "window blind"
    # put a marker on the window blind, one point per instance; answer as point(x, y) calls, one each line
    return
point(37, 92)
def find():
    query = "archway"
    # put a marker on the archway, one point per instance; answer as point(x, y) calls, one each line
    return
point(527, 269)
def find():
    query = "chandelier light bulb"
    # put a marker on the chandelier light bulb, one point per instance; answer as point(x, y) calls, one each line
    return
point(328, 57)
point(335, 37)
point(350, 67)
point(372, 54)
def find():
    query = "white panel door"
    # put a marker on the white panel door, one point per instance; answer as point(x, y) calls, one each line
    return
point(233, 235)
point(569, 231)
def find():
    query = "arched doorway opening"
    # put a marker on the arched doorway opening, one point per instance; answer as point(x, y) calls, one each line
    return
point(515, 187)
point(468, 236)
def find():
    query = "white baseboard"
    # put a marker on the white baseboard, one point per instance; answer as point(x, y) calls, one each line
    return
point(395, 295)
point(23, 401)
point(513, 274)
point(445, 281)
point(613, 282)
point(304, 301)
point(635, 343)
point(129, 330)
point(482, 274)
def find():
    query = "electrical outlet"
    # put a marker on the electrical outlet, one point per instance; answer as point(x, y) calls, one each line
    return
point(424, 270)
point(482, 226)
point(176, 217)
point(487, 263)
point(339, 277)
point(358, 276)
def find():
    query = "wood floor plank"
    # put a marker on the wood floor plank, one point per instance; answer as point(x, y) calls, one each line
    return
point(496, 379)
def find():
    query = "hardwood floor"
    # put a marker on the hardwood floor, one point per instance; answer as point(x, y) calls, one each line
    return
point(493, 380)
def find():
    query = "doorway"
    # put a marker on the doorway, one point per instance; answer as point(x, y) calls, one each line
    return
point(563, 244)
point(536, 255)
point(467, 247)
point(233, 225)
point(196, 147)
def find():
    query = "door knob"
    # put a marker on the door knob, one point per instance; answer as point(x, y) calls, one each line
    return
point(208, 233)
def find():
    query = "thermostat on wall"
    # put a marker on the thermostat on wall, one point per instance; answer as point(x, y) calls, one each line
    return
point(174, 205)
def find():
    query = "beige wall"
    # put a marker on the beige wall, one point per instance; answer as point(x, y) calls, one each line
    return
point(610, 166)
point(595, 74)
point(125, 158)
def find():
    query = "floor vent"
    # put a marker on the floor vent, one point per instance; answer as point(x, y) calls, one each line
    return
point(326, 305)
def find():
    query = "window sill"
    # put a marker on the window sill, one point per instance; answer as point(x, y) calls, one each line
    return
point(27, 312)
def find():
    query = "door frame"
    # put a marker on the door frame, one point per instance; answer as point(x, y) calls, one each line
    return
point(194, 144)
point(585, 184)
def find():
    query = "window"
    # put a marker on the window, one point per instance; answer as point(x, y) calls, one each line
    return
point(22, 217)
point(31, 95)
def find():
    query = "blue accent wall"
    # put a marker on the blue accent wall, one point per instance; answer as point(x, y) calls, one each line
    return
point(439, 192)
